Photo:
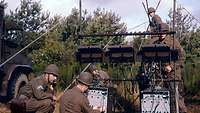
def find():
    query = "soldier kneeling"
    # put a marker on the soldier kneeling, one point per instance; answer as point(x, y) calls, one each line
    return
point(38, 95)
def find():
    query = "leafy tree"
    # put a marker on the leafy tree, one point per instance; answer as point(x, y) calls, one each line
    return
point(184, 26)
point(188, 34)
point(51, 52)
point(183, 23)
point(30, 14)
point(3, 3)
point(103, 22)
point(33, 21)
point(194, 43)
point(62, 41)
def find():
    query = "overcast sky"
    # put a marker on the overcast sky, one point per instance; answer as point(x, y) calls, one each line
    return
point(131, 11)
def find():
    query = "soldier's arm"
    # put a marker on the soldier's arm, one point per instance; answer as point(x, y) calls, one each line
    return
point(39, 92)
point(152, 40)
point(157, 19)
point(181, 53)
point(63, 104)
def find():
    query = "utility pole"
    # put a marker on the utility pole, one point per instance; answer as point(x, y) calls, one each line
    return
point(175, 84)
point(80, 16)
point(1, 32)
point(174, 14)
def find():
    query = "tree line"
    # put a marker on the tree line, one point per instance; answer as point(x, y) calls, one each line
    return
point(60, 44)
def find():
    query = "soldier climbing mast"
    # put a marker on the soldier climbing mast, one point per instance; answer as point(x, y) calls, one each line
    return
point(155, 22)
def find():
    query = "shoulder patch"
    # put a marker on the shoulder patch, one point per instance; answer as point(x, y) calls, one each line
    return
point(40, 87)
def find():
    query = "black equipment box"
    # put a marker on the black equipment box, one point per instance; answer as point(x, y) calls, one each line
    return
point(89, 54)
point(120, 54)
point(158, 52)
point(113, 54)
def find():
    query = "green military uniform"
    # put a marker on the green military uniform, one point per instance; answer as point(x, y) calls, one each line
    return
point(102, 79)
point(155, 23)
point(74, 101)
point(168, 40)
point(39, 100)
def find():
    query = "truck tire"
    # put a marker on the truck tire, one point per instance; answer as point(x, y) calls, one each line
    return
point(15, 84)
point(21, 81)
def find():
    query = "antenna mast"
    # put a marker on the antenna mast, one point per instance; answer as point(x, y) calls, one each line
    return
point(175, 85)
point(174, 14)
point(80, 16)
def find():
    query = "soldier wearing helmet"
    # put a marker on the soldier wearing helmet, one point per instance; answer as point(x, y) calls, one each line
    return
point(155, 22)
point(101, 77)
point(74, 100)
point(38, 93)
point(169, 67)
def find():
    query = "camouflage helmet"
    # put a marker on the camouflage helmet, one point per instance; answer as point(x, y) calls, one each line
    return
point(85, 78)
point(52, 69)
point(164, 27)
point(150, 10)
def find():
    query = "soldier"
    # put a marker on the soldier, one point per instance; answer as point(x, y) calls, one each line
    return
point(155, 20)
point(169, 67)
point(39, 92)
point(74, 100)
point(101, 77)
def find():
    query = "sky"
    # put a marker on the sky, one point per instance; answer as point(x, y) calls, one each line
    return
point(130, 11)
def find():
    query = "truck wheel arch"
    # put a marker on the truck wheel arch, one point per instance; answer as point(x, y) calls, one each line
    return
point(21, 81)
point(17, 79)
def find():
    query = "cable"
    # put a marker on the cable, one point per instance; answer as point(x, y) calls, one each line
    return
point(103, 48)
point(197, 19)
point(137, 26)
point(86, 67)
point(158, 5)
point(192, 15)
point(29, 44)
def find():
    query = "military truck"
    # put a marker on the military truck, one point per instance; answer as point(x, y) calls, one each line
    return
point(15, 72)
